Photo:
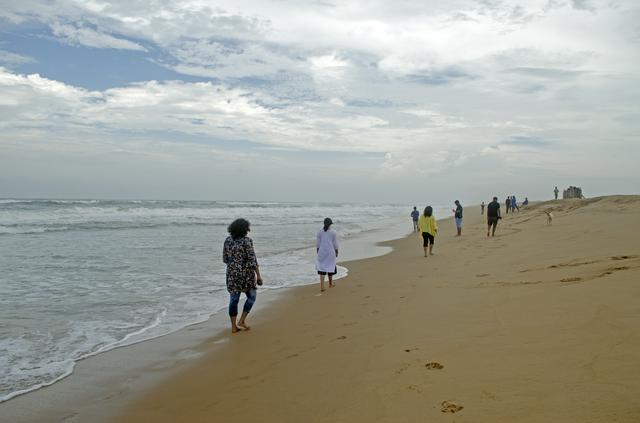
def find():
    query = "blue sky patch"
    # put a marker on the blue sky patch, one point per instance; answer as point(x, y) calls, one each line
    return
point(86, 67)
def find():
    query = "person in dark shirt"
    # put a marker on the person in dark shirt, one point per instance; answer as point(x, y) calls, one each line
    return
point(415, 215)
point(243, 273)
point(482, 208)
point(458, 217)
point(493, 214)
point(508, 204)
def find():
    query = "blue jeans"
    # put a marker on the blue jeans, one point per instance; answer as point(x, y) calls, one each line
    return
point(234, 299)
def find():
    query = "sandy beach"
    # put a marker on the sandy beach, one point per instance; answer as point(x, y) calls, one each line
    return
point(538, 324)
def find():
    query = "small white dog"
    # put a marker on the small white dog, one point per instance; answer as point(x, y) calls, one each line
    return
point(549, 217)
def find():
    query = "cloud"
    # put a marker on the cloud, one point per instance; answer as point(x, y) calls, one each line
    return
point(432, 118)
point(224, 59)
point(190, 108)
point(583, 5)
point(9, 58)
point(526, 142)
point(91, 38)
point(546, 73)
point(328, 66)
point(446, 76)
point(407, 39)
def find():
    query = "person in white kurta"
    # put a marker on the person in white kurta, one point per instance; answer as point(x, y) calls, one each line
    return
point(327, 249)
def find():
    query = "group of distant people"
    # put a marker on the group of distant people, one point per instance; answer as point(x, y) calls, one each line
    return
point(511, 204)
point(426, 225)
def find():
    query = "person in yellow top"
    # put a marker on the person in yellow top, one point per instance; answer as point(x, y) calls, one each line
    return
point(428, 229)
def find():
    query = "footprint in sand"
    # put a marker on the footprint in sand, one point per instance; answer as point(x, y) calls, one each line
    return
point(434, 365)
point(402, 369)
point(575, 279)
point(69, 416)
point(488, 394)
point(341, 338)
point(622, 257)
point(610, 270)
point(615, 269)
point(450, 407)
point(415, 388)
point(482, 275)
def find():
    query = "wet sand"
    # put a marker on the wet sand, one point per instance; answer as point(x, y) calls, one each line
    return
point(538, 324)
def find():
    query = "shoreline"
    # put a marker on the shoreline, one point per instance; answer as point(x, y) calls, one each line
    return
point(164, 354)
point(532, 325)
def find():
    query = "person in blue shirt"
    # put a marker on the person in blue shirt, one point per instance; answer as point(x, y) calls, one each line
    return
point(415, 215)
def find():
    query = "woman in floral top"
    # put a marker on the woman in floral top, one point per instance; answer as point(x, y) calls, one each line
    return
point(242, 271)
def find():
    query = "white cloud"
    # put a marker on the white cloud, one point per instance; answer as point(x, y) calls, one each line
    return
point(405, 37)
point(9, 58)
point(92, 38)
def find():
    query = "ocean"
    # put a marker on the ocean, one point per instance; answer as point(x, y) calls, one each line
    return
point(80, 277)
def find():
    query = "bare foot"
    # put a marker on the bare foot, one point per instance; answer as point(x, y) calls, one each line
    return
point(243, 326)
point(331, 284)
point(430, 254)
point(235, 329)
point(322, 289)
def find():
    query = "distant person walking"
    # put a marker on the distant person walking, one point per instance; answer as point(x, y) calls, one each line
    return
point(415, 215)
point(507, 204)
point(327, 250)
point(243, 273)
point(457, 215)
point(482, 208)
point(493, 215)
point(428, 229)
point(514, 204)
point(555, 192)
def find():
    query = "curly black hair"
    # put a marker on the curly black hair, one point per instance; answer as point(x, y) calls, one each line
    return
point(239, 228)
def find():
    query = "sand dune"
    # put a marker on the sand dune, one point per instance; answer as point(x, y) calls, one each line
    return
point(539, 324)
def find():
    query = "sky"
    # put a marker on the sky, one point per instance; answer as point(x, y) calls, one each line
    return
point(362, 101)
